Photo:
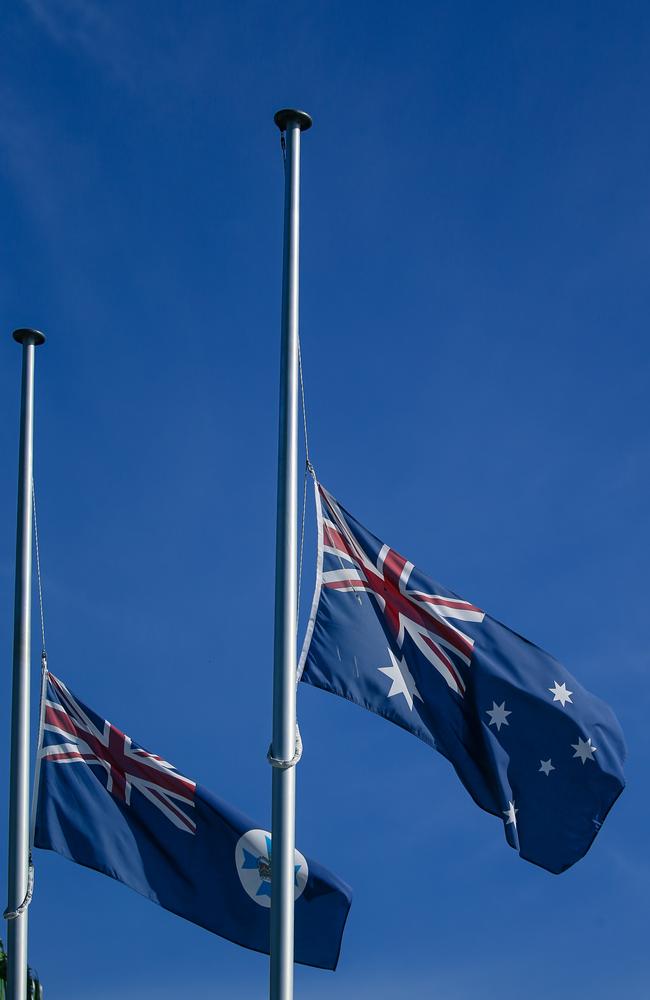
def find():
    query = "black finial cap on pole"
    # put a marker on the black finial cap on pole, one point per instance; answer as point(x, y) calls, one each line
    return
point(289, 116)
point(25, 334)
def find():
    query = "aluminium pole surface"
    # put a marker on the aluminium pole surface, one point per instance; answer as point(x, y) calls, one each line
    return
point(19, 761)
point(283, 745)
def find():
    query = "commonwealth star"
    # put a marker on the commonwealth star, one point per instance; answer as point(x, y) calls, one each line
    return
point(402, 678)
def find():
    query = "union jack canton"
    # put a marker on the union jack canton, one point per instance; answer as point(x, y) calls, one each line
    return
point(406, 610)
point(72, 737)
point(528, 742)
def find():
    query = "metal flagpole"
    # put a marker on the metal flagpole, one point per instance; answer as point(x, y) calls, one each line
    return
point(19, 765)
point(283, 746)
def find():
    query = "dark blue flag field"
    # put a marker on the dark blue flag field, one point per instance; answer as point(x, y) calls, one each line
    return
point(529, 743)
point(104, 802)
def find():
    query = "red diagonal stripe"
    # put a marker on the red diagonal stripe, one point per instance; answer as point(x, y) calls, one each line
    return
point(334, 539)
point(190, 824)
point(445, 659)
point(59, 717)
point(447, 602)
point(394, 565)
point(348, 585)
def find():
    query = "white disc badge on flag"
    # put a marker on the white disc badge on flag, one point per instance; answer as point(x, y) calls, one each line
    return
point(253, 860)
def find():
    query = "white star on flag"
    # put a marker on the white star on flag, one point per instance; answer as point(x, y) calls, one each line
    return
point(499, 715)
point(584, 750)
point(560, 693)
point(402, 679)
point(546, 767)
point(511, 813)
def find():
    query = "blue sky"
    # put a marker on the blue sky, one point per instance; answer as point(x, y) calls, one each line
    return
point(474, 322)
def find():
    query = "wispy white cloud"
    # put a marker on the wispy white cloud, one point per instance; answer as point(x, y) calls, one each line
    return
point(50, 173)
point(87, 27)
point(34, 156)
point(68, 20)
point(163, 57)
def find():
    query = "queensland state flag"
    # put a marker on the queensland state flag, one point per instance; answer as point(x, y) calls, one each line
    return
point(104, 802)
point(529, 743)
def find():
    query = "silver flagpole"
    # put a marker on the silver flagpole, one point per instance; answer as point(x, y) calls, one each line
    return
point(291, 123)
point(19, 764)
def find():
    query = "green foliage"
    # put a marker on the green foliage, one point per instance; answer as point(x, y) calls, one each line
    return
point(34, 988)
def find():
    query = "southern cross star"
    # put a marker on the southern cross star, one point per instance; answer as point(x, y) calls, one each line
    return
point(498, 715)
point(584, 750)
point(546, 767)
point(560, 693)
point(402, 679)
point(511, 813)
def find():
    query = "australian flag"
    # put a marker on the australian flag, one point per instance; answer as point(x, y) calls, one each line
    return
point(529, 743)
point(104, 802)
